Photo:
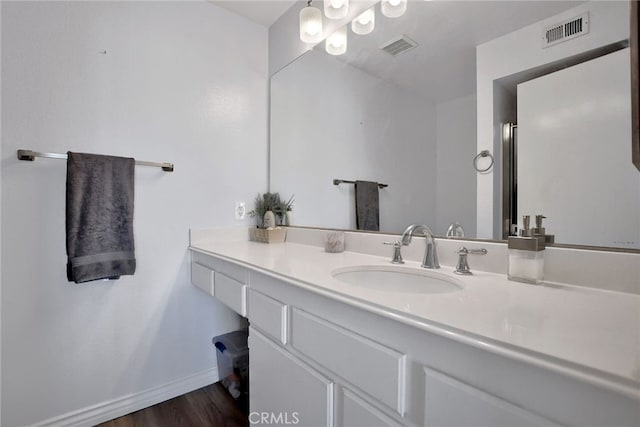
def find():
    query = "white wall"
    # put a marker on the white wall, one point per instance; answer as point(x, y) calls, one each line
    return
point(363, 128)
point(520, 51)
point(183, 82)
point(456, 179)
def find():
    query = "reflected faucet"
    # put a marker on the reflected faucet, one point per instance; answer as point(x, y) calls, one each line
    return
point(430, 259)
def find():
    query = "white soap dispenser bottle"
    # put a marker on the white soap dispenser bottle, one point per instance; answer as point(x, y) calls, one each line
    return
point(526, 255)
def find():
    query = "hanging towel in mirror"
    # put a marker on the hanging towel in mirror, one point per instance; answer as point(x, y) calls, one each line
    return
point(99, 223)
point(367, 206)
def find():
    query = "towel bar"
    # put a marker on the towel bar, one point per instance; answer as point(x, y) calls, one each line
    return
point(344, 181)
point(29, 155)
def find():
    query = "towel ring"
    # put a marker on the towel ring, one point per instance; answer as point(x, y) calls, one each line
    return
point(483, 153)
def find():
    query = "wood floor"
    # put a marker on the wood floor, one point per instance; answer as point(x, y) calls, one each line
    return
point(208, 406)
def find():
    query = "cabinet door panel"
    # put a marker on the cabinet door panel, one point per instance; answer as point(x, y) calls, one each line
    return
point(283, 388)
point(355, 412)
point(451, 403)
point(370, 366)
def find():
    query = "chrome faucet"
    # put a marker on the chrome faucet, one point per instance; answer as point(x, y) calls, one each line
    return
point(430, 259)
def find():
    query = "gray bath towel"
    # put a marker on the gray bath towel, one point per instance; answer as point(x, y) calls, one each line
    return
point(99, 217)
point(367, 206)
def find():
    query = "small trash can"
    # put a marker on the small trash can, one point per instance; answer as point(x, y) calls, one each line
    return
point(232, 354)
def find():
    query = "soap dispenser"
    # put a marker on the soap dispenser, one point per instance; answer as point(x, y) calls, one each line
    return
point(526, 255)
point(539, 230)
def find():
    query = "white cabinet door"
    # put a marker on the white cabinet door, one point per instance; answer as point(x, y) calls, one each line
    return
point(284, 390)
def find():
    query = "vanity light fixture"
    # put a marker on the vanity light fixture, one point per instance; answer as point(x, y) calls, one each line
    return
point(336, 43)
point(393, 8)
point(365, 22)
point(336, 9)
point(310, 24)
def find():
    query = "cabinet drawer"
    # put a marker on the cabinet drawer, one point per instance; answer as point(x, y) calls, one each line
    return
point(372, 367)
point(236, 272)
point(449, 402)
point(268, 315)
point(231, 293)
point(202, 277)
point(229, 269)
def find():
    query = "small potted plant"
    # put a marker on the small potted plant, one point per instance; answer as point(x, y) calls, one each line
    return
point(266, 206)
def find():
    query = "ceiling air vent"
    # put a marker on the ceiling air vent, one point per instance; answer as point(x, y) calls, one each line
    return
point(398, 45)
point(566, 30)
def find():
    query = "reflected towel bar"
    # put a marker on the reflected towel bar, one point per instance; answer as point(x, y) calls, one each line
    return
point(31, 155)
point(344, 181)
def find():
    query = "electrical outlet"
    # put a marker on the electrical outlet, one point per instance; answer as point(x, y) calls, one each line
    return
point(241, 210)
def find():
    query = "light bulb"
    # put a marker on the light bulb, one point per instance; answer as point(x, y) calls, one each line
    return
point(393, 8)
point(336, 9)
point(336, 43)
point(310, 24)
point(313, 28)
point(365, 22)
point(366, 17)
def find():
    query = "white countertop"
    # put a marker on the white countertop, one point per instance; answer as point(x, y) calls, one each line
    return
point(592, 333)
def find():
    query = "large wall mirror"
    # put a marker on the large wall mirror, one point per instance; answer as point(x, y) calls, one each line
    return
point(476, 76)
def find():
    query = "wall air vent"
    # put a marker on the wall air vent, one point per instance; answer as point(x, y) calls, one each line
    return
point(398, 45)
point(564, 31)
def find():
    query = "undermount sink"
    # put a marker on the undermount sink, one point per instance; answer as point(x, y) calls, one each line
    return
point(396, 279)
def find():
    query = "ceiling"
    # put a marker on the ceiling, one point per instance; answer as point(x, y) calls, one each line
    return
point(264, 12)
point(443, 66)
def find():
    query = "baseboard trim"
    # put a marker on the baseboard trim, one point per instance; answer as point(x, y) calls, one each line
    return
point(115, 408)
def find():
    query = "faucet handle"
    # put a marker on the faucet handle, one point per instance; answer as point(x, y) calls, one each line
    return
point(397, 255)
point(463, 266)
point(464, 251)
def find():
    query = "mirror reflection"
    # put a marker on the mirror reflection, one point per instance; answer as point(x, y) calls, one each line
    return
point(470, 77)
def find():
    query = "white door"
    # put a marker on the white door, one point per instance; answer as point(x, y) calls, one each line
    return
point(574, 153)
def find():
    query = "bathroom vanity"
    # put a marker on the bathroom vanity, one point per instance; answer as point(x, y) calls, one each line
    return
point(330, 349)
